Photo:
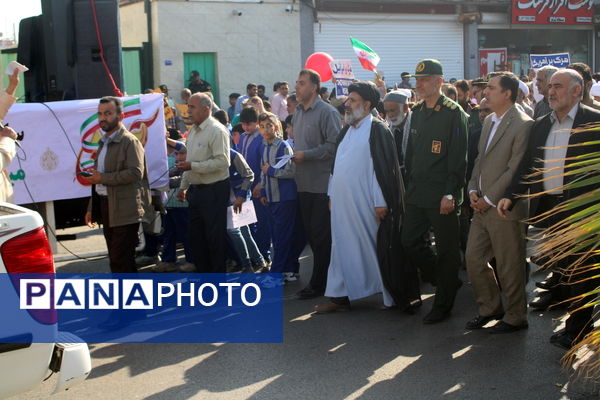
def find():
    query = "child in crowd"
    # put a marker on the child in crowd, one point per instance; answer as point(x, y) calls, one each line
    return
point(241, 178)
point(289, 131)
point(250, 147)
point(279, 193)
point(236, 133)
point(176, 220)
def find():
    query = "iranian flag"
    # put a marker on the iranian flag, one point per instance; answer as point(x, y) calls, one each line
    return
point(367, 57)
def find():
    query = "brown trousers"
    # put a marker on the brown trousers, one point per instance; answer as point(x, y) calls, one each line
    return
point(491, 237)
point(120, 241)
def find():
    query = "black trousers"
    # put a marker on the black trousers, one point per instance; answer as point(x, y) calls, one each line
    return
point(314, 208)
point(208, 225)
point(120, 241)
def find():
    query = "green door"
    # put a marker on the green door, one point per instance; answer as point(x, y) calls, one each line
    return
point(8, 56)
point(132, 72)
point(206, 65)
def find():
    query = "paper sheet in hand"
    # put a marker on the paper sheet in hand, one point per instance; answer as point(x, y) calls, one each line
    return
point(10, 68)
point(284, 160)
point(246, 217)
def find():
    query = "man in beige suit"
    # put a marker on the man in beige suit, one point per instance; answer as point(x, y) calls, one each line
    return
point(503, 143)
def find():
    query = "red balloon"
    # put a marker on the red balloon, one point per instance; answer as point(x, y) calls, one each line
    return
point(319, 62)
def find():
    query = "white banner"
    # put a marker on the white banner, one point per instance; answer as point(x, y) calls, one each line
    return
point(61, 139)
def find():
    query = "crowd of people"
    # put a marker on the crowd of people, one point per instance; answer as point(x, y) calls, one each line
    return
point(392, 188)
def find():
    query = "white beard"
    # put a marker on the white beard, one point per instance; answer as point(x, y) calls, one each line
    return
point(393, 122)
point(355, 115)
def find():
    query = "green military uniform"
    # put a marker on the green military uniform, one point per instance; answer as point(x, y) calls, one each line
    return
point(436, 161)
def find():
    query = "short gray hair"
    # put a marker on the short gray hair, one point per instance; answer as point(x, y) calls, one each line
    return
point(203, 99)
point(548, 71)
point(575, 79)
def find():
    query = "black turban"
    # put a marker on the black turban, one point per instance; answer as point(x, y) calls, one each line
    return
point(367, 90)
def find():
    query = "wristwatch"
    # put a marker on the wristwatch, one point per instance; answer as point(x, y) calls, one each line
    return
point(449, 197)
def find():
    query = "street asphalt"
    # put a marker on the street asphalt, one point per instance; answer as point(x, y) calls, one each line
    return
point(366, 353)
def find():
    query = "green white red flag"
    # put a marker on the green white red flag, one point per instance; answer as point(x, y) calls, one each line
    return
point(367, 57)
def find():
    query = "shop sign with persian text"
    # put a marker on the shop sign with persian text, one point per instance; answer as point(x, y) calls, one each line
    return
point(552, 11)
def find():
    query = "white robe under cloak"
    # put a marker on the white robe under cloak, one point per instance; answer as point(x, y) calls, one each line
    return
point(354, 193)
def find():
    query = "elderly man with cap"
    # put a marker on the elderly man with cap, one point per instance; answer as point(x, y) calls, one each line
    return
point(397, 116)
point(365, 196)
point(522, 99)
point(436, 161)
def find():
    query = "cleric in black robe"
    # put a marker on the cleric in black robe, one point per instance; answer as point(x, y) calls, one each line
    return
point(366, 194)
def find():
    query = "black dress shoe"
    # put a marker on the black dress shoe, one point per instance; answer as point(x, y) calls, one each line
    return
point(436, 316)
point(548, 283)
point(309, 293)
point(543, 302)
point(503, 327)
point(562, 339)
point(479, 321)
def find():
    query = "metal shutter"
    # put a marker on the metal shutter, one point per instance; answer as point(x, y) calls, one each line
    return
point(400, 40)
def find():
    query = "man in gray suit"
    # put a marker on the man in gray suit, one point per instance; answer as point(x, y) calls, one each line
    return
point(503, 143)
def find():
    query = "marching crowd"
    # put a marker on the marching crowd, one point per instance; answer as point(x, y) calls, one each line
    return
point(391, 188)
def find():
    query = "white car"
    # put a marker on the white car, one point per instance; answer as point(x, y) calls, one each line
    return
point(24, 248)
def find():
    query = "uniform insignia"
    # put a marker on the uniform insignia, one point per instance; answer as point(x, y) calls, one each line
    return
point(453, 107)
point(436, 146)
point(417, 105)
point(420, 67)
point(437, 108)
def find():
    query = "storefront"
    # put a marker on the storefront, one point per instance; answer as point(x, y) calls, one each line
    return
point(400, 39)
point(534, 28)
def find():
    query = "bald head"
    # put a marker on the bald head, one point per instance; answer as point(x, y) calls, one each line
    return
point(186, 94)
point(199, 107)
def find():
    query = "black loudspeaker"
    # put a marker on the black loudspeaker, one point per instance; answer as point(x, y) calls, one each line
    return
point(61, 49)
point(57, 24)
point(31, 53)
point(90, 75)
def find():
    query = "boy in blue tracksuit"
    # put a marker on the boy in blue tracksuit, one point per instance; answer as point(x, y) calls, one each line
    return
point(240, 180)
point(278, 194)
point(250, 147)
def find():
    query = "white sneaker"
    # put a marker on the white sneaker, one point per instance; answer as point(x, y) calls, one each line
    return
point(164, 266)
point(187, 267)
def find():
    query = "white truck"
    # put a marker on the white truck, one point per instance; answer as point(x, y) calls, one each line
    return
point(24, 248)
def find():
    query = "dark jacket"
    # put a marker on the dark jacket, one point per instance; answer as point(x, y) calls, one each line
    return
point(399, 277)
point(534, 156)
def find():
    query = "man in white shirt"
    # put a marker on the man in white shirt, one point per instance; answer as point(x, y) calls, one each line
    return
point(279, 101)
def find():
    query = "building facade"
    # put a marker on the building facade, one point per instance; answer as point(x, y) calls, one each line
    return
point(234, 42)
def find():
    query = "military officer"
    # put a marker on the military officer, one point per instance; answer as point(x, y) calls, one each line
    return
point(436, 161)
